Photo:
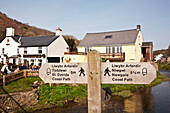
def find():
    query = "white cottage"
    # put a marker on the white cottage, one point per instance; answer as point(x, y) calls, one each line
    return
point(33, 50)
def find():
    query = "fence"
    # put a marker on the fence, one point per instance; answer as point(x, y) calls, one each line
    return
point(15, 76)
point(113, 56)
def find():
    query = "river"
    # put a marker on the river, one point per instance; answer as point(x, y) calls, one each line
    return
point(148, 100)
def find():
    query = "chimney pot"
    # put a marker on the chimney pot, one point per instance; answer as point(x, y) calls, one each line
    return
point(138, 27)
point(58, 29)
point(58, 32)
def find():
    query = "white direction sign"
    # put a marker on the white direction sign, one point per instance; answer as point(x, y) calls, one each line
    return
point(111, 73)
point(64, 73)
point(127, 73)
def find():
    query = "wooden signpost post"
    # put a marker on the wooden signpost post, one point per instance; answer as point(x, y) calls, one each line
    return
point(94, 73)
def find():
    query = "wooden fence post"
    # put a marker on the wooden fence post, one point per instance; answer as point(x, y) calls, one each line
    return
point(3, 80)
point(94, 82)
point(25, 73)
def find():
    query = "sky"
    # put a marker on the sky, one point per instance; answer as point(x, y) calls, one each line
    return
point(78, 17)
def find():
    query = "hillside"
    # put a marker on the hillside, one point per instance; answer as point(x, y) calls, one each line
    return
point(165, 52)
point(20, 28)
point(27, 30)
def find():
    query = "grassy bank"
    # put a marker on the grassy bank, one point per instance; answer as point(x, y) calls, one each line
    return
point(164, 66)
point(22, 84)
point(59, 95)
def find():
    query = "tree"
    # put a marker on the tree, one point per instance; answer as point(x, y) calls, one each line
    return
point(71, 43)
point(168, 51)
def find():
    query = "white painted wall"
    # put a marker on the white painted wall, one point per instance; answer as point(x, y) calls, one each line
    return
point(57, 48)
point(33, 51)
point(10, 49)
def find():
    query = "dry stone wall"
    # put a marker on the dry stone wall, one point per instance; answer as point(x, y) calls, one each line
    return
point(24, 99)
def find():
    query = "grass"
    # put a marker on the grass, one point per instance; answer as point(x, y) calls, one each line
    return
point(22, 84)
point(164, 66)
point(59, 95)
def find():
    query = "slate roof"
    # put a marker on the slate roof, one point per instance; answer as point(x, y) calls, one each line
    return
point(110, 38)
point(16, 38)
point(37, 41)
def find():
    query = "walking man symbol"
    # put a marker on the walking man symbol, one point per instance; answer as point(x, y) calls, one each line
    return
point(107, 71)
point(81, 71)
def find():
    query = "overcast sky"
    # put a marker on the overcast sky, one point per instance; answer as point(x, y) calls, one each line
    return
point(78, 17)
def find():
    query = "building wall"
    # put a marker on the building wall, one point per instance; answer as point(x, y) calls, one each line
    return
point(133, 52)
point(10, 49)
point(57, 48)
point(81, 49)
point(129, 53)
point(100, 49)
point(33, 51)
point(75, 58)
point(138, 45)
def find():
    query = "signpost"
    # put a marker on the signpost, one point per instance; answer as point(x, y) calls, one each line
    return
point(94, 73)
point(111, 73)
point(64, 73)
point(128, 73)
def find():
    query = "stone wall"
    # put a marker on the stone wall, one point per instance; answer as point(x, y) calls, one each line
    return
point(24, 99)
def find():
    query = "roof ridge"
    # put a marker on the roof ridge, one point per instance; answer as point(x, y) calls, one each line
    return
point(113, 31)
point(37, 36)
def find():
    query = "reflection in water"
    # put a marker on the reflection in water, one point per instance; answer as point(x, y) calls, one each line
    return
point(148, 100)
point(115, 105)
point(133, 104)
point(141, 102)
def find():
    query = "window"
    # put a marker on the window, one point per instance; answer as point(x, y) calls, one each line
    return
point(119, 49)
point(87, 49)
point(3, 50)
point(17, 50)
point(109, 36)
point(25, 50)
point(108, 49)
point(113, 49)
point(40, 50)
point(39, 62)
point(32, 61)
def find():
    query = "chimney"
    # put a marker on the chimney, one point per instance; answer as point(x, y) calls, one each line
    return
point(10, 31)
point(58, 31)
point(138, 27)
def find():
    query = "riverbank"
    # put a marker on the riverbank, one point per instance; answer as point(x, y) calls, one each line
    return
point(62, 94)
point(164, 66)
